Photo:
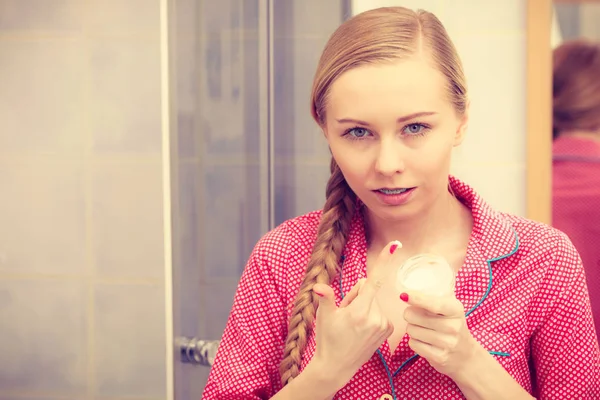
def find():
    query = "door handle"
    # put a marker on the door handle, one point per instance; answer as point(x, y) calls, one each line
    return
point(196, 351)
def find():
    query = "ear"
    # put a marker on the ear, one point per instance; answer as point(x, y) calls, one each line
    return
point(461, 131)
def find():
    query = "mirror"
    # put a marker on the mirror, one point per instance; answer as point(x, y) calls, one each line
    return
point(576, 133)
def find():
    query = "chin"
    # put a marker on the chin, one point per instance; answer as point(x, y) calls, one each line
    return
point(392, 213)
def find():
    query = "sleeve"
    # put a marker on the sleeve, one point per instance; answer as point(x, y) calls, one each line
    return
point(564, 348)
point(247, 361)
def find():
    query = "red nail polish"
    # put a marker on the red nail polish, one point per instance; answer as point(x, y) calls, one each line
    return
point(318, 294)
point(404, 297)
point(393, 248)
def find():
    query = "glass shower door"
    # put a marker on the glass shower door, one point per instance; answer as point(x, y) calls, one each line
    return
point(245, 153)
point(219, 153)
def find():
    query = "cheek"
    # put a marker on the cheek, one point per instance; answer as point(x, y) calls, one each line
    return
point(434, 154)
point(351, 167)
point(354, 164)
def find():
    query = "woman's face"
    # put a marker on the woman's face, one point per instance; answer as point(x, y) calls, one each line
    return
point(391, 129)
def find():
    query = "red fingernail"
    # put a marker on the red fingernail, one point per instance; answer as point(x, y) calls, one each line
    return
point(318, 294)
point(393, 248)
point(404, 297)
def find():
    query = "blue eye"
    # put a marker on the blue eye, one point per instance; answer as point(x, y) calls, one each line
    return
point(414, 129)
point(357, 133)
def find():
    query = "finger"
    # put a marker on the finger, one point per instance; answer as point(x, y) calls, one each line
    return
point(378, 273)
point(431, 337)
point(351, 295)
point(375, 278)
point(425, 350)
point(326, 299)
point(417, 316)
point(447, 306)
point(387, 330)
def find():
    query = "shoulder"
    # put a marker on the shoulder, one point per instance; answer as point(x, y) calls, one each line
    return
point(282, 254)
point(539, 239)
point(294, 235)
point(510, 237)
point(547, 251)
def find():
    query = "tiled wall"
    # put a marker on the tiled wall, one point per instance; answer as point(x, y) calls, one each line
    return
point(82, 304)
point(491, 42)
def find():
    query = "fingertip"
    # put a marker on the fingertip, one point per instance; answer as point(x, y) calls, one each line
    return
point(318, 289)
point(323, 291)
point(395, 245)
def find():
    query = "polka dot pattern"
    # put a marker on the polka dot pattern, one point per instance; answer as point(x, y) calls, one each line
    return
point(575, 211)
point(522, 285)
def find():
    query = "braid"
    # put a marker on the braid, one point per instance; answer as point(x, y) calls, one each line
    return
point(322, 268)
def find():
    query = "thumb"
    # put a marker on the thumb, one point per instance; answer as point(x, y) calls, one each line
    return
point(326, 298)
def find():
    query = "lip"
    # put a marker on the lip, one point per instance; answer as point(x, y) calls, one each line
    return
point(394, 199)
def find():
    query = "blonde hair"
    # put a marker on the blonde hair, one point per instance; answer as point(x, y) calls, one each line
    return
point(576, 86)
point(381, 35)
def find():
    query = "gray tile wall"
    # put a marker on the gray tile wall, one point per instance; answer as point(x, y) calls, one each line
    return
point(82, 302)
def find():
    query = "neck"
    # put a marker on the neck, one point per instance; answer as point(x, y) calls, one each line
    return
point(581, 134)
point(426, 231)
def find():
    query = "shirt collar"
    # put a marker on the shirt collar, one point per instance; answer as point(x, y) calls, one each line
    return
point(493, 238)
point(493, 235)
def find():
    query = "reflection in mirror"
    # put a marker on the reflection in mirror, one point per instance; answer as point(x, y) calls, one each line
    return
point(576, 133)
point(575, 19)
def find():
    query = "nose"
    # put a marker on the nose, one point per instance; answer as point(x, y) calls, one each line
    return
point(390, 158)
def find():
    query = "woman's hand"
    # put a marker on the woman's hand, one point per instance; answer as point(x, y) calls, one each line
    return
point(438, 332)
point(347, 336)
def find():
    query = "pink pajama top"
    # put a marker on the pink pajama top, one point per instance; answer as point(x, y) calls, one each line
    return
point(522, 284)
point(576, 205)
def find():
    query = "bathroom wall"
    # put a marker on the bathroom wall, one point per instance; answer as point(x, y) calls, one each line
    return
point(490, 37)
point(589, 14)
point(82, 304)
point(579, 20)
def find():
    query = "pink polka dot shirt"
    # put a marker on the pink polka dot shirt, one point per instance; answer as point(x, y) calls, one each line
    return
point(522, 285)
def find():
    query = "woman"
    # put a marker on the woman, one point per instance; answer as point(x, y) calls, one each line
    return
point(576, 148)
point(390, 96)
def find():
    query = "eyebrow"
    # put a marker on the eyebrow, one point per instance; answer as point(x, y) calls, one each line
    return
point(401, 119)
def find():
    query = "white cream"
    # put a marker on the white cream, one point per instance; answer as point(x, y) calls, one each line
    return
point(428, 274)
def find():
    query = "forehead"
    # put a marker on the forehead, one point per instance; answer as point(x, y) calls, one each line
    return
point(402, 87)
